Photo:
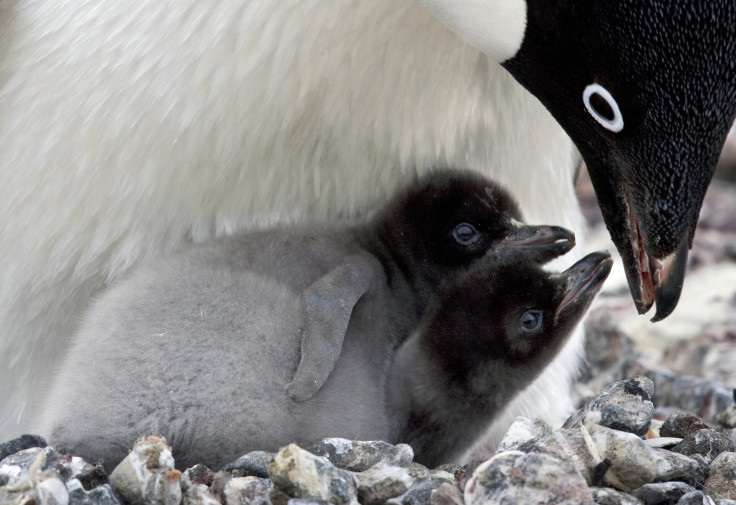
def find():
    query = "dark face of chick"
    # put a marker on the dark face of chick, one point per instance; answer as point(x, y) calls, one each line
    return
point(647, 91)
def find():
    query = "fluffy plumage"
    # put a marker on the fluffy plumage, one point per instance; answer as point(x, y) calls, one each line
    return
point(199, 347)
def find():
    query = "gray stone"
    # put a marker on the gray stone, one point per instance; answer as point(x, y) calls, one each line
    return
point(682, 424)
point(445, 494)
point(419, 493)
point(147, 476)
point(691, 394)
point(252, 464)
point(16, 467)
point(630, 463)
point(695, 498)
point(300, 474)
point(381, 482)
point(515, 477)
point(721, 481)
point(21, 443)
point(708, 443)
point(198, 474)
point(727, 418)
point(609, 496)
point(625, 406)
point(199, 494)
point(725, 501)
point(662, 493)
point(247, 491)
point(306, 501)
point(359, 456)
point(522, 431)
point(101, 495)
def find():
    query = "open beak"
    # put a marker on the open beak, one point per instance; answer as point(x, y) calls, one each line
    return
point(654, 280)
point(539, 243)
point(585, 279)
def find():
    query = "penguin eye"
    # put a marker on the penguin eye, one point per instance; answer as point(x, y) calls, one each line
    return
point(466, 234)
point(603, 107)
point(531, 321)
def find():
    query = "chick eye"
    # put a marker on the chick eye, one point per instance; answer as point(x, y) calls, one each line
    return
point(603, 107)
point(531, 321)
point(465, 234)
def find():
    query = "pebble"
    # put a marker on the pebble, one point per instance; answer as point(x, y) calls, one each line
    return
point(721, 481)
point(252, 464)
point(608, 496)
point(300, 474)
point(625, 406)
point(100, 495)
point(382, 482)
point(359, 456)
point(247, 491)
point(446, 494)
point(695, 498)
point(147, 475)
point(517, 477)
point(662, 493)
point(682, 424)
point(21, 443)
point(707, 442)
point(419, 493)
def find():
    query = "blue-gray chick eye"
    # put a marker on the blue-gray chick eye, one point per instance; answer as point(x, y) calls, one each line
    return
point(603, 107)
point(466, 234)
point(531, 321)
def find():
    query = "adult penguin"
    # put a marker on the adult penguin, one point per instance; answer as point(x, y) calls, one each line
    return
point(127, 130)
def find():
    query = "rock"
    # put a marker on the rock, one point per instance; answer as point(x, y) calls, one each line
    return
point(721, 481)
point(300, 474)
point(522, 431)
point(445, 494)
point(662, 493)
point(727, 418)
point(466, 472)
point(419, 472)
point(73, 467)
point(419, 493)
point(17, 467)
point(708, 443)
point(695, 498)
point(625, 406)
point(247, 491)
point(21, 443)
point(682, 424)
point(629, 463)
point(608, 496)
point(605, 344)
point(359, 456)
point(147, 476)
point(198, 474)
point(100, 495)
point(515, 477)
point(725, 501)
point(381, 482)
point(691, 394)
point(252, 464)
point(199, 494)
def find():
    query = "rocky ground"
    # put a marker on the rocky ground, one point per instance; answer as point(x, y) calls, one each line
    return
point(657, 423)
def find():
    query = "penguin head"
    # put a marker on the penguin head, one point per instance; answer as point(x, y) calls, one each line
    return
point(646, 89)
point(451, 218)
point(507, 318)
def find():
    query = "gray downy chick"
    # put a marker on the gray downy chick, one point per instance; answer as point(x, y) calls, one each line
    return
point(198, 347)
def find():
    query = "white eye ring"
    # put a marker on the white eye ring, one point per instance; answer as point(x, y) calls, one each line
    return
point(617, 123)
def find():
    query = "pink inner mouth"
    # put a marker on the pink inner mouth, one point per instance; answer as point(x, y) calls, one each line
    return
point(645, 279)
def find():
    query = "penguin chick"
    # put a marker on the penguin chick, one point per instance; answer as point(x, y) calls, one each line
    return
point(489, 335)
point(197, 347)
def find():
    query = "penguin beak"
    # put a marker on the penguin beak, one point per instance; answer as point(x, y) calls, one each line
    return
point(539, 243)
point(652, 279)
point(584, 280)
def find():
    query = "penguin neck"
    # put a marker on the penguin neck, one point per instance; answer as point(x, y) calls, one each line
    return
point(405, 277)
point(439, 418)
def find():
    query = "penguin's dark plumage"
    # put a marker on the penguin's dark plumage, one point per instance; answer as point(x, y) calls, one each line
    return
point(198, 347)
point(489, 334)
point(647, 91)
